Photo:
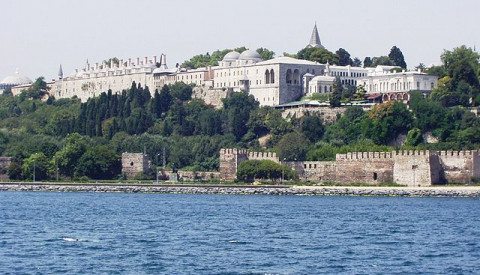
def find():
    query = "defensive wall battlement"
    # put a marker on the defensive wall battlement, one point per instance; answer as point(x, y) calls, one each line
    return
point(407, 167)
point(451, 153)
point(364, 155)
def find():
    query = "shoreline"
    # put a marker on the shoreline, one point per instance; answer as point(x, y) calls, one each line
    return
point(433, 191)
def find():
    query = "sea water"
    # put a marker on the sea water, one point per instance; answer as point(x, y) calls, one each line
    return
point(116, 233)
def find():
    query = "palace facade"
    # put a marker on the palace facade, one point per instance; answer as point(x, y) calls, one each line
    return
point(272, 82)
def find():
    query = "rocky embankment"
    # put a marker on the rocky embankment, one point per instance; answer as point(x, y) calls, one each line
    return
point(250, 190)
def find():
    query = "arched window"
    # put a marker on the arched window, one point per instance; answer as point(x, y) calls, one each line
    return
point(296, 77)
point(289, 76)
point(267, 77)
point(272, 76)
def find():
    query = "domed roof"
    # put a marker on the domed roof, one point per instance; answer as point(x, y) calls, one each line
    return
point(233, 55)
point(16, 79)
point(250, 55)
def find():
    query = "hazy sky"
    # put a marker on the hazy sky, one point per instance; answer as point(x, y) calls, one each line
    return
point(37, 36)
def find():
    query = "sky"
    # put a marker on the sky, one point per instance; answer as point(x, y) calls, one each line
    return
point(38, 36)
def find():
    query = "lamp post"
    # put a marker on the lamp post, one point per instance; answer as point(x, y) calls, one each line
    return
point(34, 170)
point(156, 167)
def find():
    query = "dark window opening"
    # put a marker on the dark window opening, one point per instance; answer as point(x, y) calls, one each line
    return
point(375, 176)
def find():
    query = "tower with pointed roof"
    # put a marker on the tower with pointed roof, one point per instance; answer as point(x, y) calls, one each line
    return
point(315, 39)
point(60, 72)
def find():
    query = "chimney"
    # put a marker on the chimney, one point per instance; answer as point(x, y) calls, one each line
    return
point(96, 65)
point(121, 63)
point(145, 61)
point(138, 61)
point(129, 62)
point(154, 60)
point(163, 61)
point(111, 64)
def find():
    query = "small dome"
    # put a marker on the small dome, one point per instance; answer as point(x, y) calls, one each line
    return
point(15, 80)
point(250, 55)
point(231, 56)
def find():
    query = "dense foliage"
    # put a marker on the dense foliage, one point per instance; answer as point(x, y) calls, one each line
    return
point(204, 60)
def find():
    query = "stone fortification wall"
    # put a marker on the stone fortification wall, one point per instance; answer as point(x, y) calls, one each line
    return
point(416, 168)
point(263, 156)
point(460, 166)
point(407, 167)
point(364, 167)
point(317, 171)
point(134, 164)
point(198, 175)
point(327, 114)
point(229, 161)
point(211, 96)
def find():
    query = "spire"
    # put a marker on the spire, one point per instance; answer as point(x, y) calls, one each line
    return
point(315, 39)
point(60, 72)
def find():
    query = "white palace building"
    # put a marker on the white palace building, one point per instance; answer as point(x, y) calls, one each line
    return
point(272, 82)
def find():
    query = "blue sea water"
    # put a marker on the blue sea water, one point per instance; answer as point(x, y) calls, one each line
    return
point(113, 233)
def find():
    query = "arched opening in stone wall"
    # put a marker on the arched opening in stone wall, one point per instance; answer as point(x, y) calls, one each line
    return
point(272, 76)
point(289, 76)
point(296, 77)
point(267, 77)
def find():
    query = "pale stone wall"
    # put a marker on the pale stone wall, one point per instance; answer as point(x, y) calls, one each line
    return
point(327, 114)
point(229, 161)
point(198, 175)
point(263, 156)
point(413, 168)
point(211, 96)
point(460, 166)
point(134, 163)
point(410, 168)
point(364, 167)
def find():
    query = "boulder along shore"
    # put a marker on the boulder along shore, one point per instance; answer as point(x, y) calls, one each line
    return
point(437, 191)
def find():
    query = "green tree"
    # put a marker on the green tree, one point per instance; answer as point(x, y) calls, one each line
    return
point(38, 89)
point(35, 164)
point(292, 146)
point(14, 171)
point(414, 137)
point(250, 170)
point(387, 121)
point(357, 62)
point(428, 114)
point(312, 127)
point(336, 96)
point(318, 55)
point(237, 109)
point(266, 54)
point(165, 99)
point(343, 57)
point(381, 60)
point(67, 158)
point(367, 62)
point(99, 162)
point(396, 56)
